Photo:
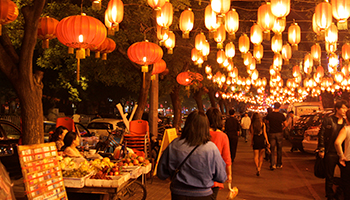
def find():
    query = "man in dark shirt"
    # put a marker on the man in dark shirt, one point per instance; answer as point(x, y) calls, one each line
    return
point(276, 122)
point(329, 131)
point(232, 131)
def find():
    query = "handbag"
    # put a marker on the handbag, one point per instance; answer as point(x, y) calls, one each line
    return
point(178, 168)
point(319, 167)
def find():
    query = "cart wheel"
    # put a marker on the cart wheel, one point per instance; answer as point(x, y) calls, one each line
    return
point(135, 191)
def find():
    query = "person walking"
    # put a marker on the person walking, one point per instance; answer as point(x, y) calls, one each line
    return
point(259, 140)
point(326, 137)
point(289, 124)
point(232, 131)
point(245, 124)
point(344, 155)
point(193, 179)
point(222, 142)
point(276, 122)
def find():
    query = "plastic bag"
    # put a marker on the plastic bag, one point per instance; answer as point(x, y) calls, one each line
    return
point(319, 167)
point(233, 192)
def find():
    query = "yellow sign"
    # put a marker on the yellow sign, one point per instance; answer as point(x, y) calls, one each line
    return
point(169, 135)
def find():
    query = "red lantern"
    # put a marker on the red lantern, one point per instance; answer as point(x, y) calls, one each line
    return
point(266, 19)
point(276, 43)
point(323, 15)
point(220, 36)
point(199, 41)
point(184, 78)
point(279, 25)
point(280, 8)
point(243, 44)
point(210, 21)
point(159, 67)
point(186, 22)
point(156, 4)
point(230, 50)
point(115, 13)
point(195, 54)
point(320, 71)
point(256, 35)
point(221, 6)
point(80, 31)
point(47, 30)
point(220, 56)
point(286, 53)
point(316, 52)
point(165, 15)
point(170, 42)
point(8, 12)
point(145, 53)
point(258, 52)
point(109, 47)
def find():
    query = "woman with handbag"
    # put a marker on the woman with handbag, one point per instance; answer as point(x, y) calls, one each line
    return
point(259, 140)
point(192, 161)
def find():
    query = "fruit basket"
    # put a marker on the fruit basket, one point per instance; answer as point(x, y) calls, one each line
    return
point(75, 182)
point(112, 181)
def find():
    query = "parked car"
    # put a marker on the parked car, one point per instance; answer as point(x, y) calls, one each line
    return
point(102, 126)
point(9, 139)
point(304, 135)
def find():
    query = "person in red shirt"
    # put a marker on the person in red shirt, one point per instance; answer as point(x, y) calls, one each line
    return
point(221, 140)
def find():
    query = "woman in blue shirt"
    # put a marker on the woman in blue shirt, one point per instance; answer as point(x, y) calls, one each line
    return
point(205, 165)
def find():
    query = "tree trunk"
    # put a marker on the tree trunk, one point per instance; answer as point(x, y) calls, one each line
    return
point(198, 98)
point(327, 100)
point(142, 101)
point(211, 95)
point(19, 70)
point(175, 99)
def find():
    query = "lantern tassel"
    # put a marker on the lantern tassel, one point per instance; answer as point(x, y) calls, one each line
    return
point(266, 35)
point(170, 51)
point(78, 70)
point(45, 44)
point(342, 25)
point(295, 47)
point(286, 62)
point(104, 56)
point(144, 69)
point(97, 54)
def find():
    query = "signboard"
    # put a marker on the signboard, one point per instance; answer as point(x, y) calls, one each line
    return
point(42, 174)
point(169, 135)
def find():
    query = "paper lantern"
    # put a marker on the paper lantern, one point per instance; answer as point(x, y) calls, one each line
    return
point(266, 19)
point(170, 42)
point(205, 49)
point(276, 43)
point(199, 41)
point(316, 52)
point(230, 50)
point(279, 25)
point(220, 56)
point(81, 32)
point(156, 4)
point(220, 36)
point(159, 67)
point(243, 44)
point(109, 47)
point(184, 78)
point(332, 34)
point(186, 22)
point(345, 51)
point(286, 53)
point(333, 60)
point(323, 15)
point(231, 22)
point(256, 34)
point(320, 71)
point(247, 60)
point(280, 8)
point(308, 63)
point(330, 47)
point(341, 12)
point(210, 20)
point(258, 52)
point(315, 28)
point(294, 35)
point(96, 5)
point(8, 13)
point(115, 13)
point(220, 6)
point(277, 60)
point(165, 15)
point(47, 30)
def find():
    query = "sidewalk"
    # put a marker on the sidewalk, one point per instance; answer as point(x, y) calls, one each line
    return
point(294, 181)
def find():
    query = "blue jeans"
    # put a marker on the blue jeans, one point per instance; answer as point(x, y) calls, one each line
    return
point(276, 139)
point(245, 133)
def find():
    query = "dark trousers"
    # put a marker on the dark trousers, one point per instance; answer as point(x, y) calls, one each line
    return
point(331, 160)
point(245, 133)
point(233, 146)
point(181, 197)
point(275, 140)
point(345, 179)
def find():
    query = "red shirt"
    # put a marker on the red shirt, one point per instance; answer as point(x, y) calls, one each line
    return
point(222, 143)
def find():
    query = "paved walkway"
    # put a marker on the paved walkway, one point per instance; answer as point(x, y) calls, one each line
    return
point(294, 181)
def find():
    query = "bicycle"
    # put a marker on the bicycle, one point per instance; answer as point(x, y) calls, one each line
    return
point(133, 190)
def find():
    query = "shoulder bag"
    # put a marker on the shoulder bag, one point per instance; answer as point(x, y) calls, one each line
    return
point(178, 168)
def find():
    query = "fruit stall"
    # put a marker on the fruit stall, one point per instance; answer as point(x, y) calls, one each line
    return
point(115, 179)
point(48, 174)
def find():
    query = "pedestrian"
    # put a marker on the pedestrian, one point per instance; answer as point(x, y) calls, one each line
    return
point(58, 136)
point(267, 153)
point(276, 122)
point(194, 179)
point(222, 142)
point(326, 137)
point(232, 131)
point(245, 124)
point(259, 140)
point(344, 155)
point(289, 124)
